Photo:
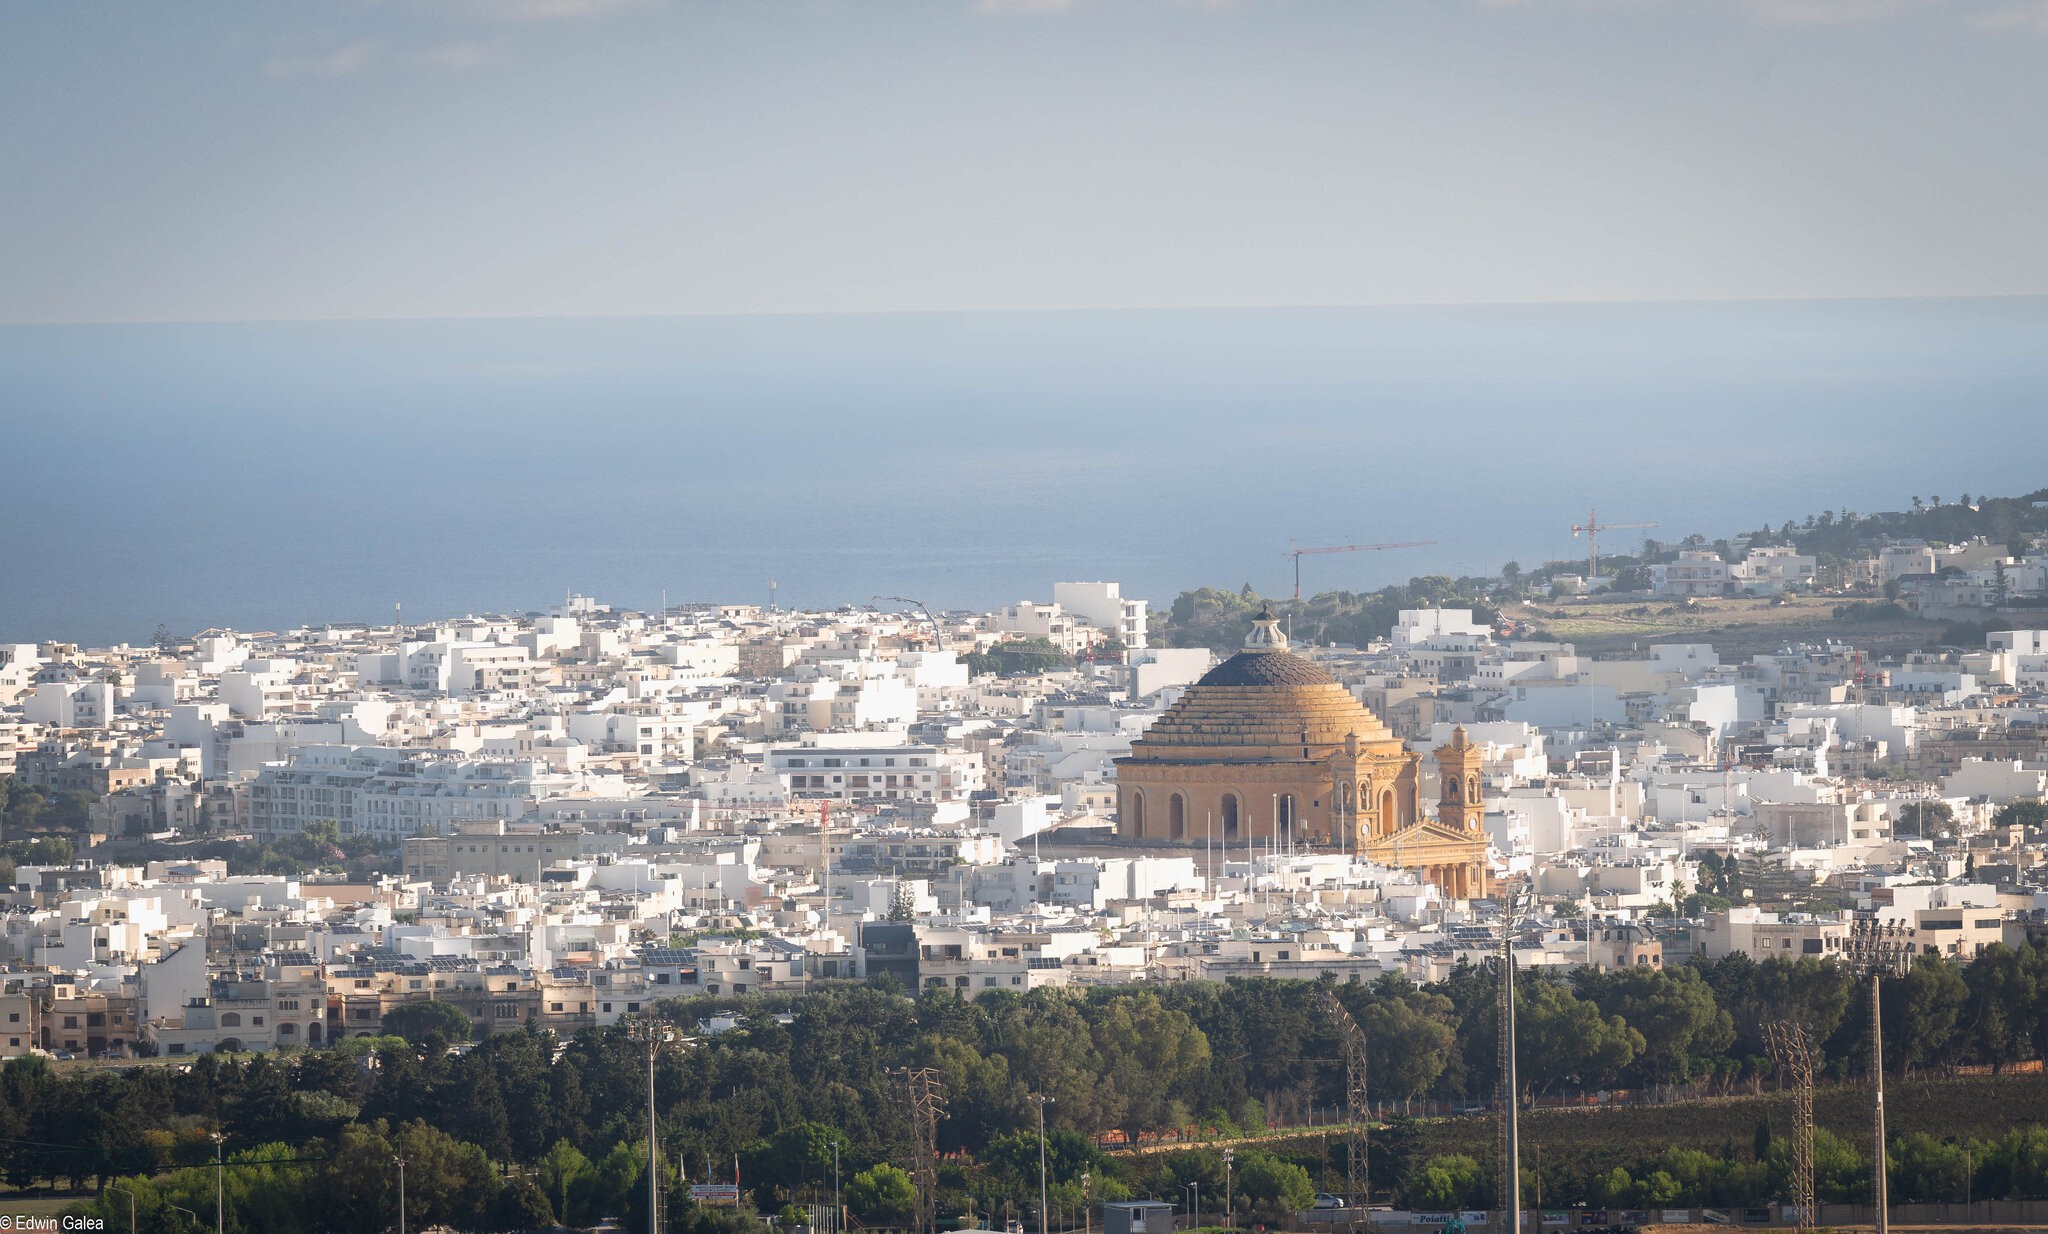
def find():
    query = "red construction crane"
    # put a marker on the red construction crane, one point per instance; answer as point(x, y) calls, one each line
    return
point(1592, 528)
point(1298, 553)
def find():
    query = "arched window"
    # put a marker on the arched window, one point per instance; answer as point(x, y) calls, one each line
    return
point(287, 1030)
point(1138, 813)
point(230, 1019)
point(1472, 789)
point(1229, 815)
point(1177, 817)
point(1390, 818)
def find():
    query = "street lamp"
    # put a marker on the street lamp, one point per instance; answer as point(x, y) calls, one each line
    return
point(401, 1193)
point(836, 1210)
point(1087, 1217)
point(1877, 949)
point(181, 1208)
point(653, 1034)
point(1041, 1099)
point(220, 1206)
point(1515, 905)
point(1229, 1209)
point(1194, 1191)
point(131, 1205)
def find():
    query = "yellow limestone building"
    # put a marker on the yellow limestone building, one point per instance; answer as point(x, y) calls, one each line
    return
point(1267, 746)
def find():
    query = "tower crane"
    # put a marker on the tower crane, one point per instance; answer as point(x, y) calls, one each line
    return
point(1592, 528)
point(1298, 553)
point(937, 631)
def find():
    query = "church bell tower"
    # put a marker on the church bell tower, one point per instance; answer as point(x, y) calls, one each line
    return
point(1462, 806)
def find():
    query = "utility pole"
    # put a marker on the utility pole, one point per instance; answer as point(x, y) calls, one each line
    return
point(1880, 1182)
point(1041, 1099)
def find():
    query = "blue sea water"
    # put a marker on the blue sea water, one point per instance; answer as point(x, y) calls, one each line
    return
point(266, 475)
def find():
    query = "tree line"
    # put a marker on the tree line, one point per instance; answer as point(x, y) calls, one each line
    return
point(522, 1123)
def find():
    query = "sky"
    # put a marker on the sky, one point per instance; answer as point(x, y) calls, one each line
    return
point(326, 159)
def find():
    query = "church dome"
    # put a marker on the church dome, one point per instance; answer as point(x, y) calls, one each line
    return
point(1266, 668)
point(1265, 703)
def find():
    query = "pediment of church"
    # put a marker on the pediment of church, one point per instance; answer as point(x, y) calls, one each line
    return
point(1419, 842)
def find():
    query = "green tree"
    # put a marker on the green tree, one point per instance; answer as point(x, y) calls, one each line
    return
point(1926, 818)
point(2024, 813)
point(564, 1171)
point(427, 1019)
point(1267, 1181)
point(1925, 1170)
point(1564, 1042)
point(1452, 1181)
point(1922, 1012)
point(1411, 1040)
point(1152, 1056)
point(881, 1193)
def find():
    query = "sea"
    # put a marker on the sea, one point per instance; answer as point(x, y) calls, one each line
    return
point(264, 476)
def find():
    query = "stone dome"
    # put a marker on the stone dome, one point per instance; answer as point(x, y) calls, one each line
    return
point(1260, 706)
point(1266, 668)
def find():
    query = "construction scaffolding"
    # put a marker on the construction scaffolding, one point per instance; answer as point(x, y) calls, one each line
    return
point(1792, 1047)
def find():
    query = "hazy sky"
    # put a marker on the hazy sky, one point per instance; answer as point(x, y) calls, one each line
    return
point(398, 158)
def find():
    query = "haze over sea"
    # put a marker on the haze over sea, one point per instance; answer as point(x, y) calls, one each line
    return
point(261, 476)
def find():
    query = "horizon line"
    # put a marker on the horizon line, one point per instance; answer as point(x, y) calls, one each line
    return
point(1331, 306)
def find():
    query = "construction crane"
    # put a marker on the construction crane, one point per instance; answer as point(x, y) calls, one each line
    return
point(1298, 553)
point(1592, 528)
point(937, 631)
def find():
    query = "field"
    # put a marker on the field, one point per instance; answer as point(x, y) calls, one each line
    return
point(1737, 628)
point(1586, 1141)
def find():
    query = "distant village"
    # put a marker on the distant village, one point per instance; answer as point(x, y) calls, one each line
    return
point(559, 819)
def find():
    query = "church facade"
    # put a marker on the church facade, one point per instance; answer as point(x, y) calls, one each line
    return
point(1268, 747)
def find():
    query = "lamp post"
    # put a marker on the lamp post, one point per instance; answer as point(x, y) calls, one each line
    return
point(1514, 908)
point(400, 1162)
point(1195, 1205)
point(1087, 1217)
point(1876, 949)
point(220, 1189)
point(1229, 1209)
point(836, 1210)
point(1041, 1099)
point(181, 1208)
point(654, 1034)
point(131, 1205)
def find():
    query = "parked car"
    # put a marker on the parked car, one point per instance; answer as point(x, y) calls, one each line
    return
point(1325, 1200)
